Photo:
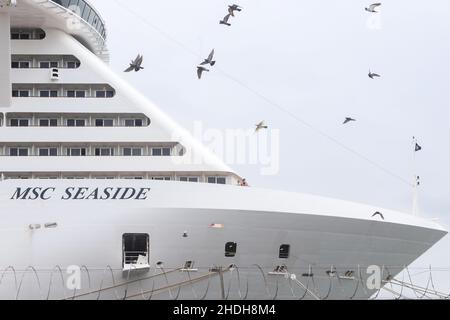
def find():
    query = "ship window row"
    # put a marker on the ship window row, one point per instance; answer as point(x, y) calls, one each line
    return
point(121, 120)
point(27, 34)
point(193, 178)
point(96, 151)
point(44, 62)
point(60, 91)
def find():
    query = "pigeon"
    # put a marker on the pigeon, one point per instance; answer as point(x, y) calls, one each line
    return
point(135, 64)
point(260, 126)
point(378, 214)
point(225, 20)
point(372, 7)
point(209, 60)
point(233, 8)
point(347, 120)
point(200, 70)
point(373, 75)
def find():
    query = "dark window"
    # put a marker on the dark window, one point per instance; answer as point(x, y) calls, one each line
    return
point(24, 65)
point(135, 248)
point(132, 152)
point(18, 152)
point(134, 123)
point(221, 181)
point(80, 94)
point(72, 64)
point(44, 94)
point(76, 123)
point(48, 122)
point(76, 152)
point(104, 152)
point(15, 93)
point(104, 122)
point(230, 249)
point(211, 179)
point(14, 64)
point(166, 152)
point(156, 152)
point(71, 94)
point(48, 152)
point(100, 94)
point(19, 122)
point(284, 251)
point(44, 65)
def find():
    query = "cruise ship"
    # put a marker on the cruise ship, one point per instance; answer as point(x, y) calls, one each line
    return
point(103, 196)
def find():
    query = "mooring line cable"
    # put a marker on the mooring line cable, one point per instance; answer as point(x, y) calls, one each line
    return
point(267, 100)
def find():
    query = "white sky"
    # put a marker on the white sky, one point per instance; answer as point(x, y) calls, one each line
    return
point(311, 58)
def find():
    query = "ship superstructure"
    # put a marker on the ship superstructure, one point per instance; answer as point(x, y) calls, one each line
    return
point(96, 178)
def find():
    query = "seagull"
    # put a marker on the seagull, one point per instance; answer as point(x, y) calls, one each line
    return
point(135, 64)
point(372, 75)
point(233, 8)
point(260, 126)
point(347, 120)
point(372, 7)
point(378, 214)
point(209, 60)
point(200, 70)
point(225, 20)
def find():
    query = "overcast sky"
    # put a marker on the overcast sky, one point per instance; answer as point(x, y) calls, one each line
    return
point(311, 59)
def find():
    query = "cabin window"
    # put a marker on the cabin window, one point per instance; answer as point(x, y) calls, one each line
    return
point(19, 122)
point(104, 152)
point(76, 94)
point(20, 64)
point(135, 152)
point(134, 123)
point(18, 152)
point(48, 93)
point(135, 250)
point(217, 180)
point(284, 251)
point(76, 152)
point(48, 122)
point(104, 94)
point(161, 178)
point(48, 152)
point(158, 152)
point(48, 64)
point(76, 122)
point(230, 249)
point(72, 64)
point(21, 93)
point(104, 122)
point(189, 179)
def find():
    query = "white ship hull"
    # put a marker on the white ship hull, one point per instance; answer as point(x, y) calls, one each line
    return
point(324, 235)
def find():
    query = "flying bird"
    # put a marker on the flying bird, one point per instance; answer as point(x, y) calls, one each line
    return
point(347, 120)
point(372, 7)
point(136, 64)
point(209, 60)
point(260, 126)
point(233, 8)
point(373, 75)
point(200, 70)
point(225, 20)
point(378, 214)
